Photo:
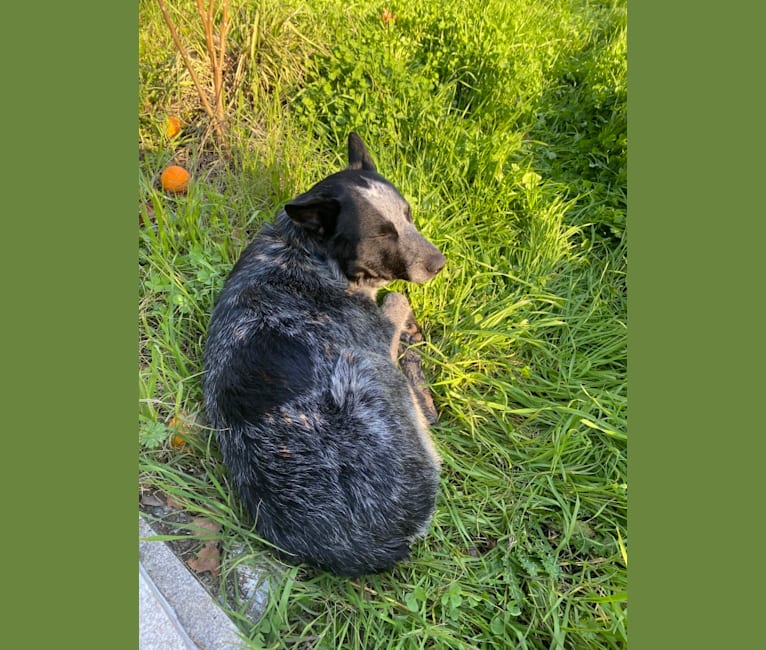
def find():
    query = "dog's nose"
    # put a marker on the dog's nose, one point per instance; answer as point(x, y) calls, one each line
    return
point(435, 262)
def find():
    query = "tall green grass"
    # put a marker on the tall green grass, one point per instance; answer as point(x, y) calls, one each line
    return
point(504, 124)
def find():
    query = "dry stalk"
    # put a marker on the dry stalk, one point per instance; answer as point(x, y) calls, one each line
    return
point(217, 114)
point(219, 99)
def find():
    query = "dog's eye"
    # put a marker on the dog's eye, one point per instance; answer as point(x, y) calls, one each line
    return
point(408, 214)
point(388, 230)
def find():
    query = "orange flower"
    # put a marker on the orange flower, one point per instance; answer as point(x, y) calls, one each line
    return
point(172, 126)
point(387, 16)
point(174, 179)
point(178, 440)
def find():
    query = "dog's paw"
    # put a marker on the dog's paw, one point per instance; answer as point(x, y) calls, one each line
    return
point(412, 367)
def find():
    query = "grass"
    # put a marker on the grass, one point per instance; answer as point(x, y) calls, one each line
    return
point(504, 125)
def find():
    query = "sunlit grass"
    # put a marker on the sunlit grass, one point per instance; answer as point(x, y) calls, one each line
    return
point(503, 124)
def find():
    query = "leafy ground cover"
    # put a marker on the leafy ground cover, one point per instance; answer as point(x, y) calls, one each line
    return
point(504, 125)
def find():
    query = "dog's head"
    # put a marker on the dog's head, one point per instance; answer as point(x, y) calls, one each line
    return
point(365, 224)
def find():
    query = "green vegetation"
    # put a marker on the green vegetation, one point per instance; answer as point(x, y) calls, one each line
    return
point(504, 125)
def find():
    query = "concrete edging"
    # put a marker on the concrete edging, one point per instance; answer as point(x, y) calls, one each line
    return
point(175, 610)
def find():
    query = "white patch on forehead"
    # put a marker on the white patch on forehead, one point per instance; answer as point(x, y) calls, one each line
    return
point(386, 200)
point(379, 193)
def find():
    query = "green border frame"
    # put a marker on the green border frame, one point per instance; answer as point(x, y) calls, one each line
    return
point(696, 232)
point(695, 354)
point(69, 324)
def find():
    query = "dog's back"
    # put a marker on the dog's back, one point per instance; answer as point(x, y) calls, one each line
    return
point(317, 425)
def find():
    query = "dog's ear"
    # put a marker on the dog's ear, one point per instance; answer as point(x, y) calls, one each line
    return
point(314, 213)
point(358, 156)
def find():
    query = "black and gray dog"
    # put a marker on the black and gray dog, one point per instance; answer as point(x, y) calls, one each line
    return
point(320, 430)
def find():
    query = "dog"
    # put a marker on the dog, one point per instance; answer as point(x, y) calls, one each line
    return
point(322, 435)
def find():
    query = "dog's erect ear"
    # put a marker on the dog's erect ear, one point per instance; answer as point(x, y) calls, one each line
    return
point(315, 213)
point(358, 156)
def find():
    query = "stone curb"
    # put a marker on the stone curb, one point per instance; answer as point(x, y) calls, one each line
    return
point(175, 610)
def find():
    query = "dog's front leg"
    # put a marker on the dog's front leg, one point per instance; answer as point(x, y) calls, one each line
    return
point(397, 309)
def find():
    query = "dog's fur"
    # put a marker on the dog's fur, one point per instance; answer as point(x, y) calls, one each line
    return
point(321, 432)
